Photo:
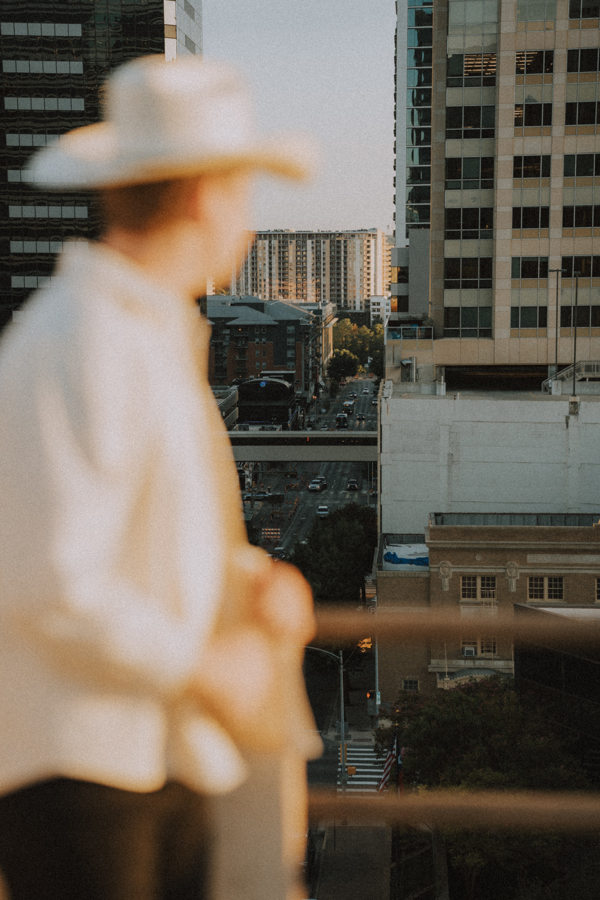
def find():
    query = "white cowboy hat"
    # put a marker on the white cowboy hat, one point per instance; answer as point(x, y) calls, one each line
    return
point(169, 120)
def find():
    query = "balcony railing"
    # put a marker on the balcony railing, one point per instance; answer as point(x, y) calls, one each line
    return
point(550, 811)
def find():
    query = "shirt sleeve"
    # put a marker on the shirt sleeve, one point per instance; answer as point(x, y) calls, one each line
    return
point(98, 447)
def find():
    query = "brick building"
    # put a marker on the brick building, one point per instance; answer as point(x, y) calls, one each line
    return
point(480, 564)
point(252, 337)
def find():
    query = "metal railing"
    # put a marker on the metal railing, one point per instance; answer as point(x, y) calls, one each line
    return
point(585, 370)
point(556, 811)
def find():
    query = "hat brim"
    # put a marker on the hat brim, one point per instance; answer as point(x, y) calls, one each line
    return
point(88, 158)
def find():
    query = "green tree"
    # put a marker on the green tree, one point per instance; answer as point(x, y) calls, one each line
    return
point(338, 555)
point(343, 334)
point(483, 735)
point(342, 364)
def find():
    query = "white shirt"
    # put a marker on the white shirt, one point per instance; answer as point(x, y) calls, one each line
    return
point(111, 534)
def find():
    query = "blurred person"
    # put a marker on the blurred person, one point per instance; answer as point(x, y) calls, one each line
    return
point(149, 656)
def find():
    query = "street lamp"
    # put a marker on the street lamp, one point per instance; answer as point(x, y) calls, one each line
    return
point(339, 659)
point(558, 272)
point(575, 332)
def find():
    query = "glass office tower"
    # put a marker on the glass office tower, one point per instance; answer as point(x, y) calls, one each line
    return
point(55, 57)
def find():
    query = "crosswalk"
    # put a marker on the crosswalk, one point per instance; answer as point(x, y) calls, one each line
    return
point(368, 770)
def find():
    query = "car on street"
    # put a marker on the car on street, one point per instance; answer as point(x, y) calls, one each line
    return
point(373, 402)
point(324, 427)
point(315, 485)
point(365, 390)
point(360, 418)
point(257, 495)
point(322, 511)
point(322, 479)
point(352, 484)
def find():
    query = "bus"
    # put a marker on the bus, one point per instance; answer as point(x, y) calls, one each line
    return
point(348, 407)
point(341, 420)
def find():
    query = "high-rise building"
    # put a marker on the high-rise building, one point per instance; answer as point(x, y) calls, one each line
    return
point(341, 267)
point(510, 146)
point(55, 57)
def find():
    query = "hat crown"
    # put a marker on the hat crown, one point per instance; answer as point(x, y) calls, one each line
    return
point(180, 108)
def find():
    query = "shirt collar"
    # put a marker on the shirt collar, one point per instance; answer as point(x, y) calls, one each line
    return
point(93, 260)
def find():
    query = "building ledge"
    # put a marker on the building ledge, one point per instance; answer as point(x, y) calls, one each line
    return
point(475, 662)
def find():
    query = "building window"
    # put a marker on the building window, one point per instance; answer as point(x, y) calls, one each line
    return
point(48, 104)
point(470, 122)
point(478, 587)
point(48, 212)
point(582, 60)
point(584, 9)
point(533, 115)
point(36, 246)
point(587, 316)
point(467, 272)
point(31, 140)
point(470, 173)
point(531, 167)
point(529, 317)
point(530, 217)
point(468, 321)
point(597, 590)
point(29, 281)
point(483, 646)
point(581, 217)
point(190, 45)
point(469, 223)
point(189, 10)
point(42, 67)
point(410, 684)
point(526, 267)
point(535, 62)
point(583, 113)
point(581, 165)
point(546, 587)
point(586, 266)
point(39, 29)
point(471, 70)
point(536, 10)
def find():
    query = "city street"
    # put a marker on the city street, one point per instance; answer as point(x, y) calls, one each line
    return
point(296, 515)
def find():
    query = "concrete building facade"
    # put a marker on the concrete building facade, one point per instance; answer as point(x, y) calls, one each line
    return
point(55, 57)
point(487, 453)
point(481, 565)
point(341, 267)
point(514, 164)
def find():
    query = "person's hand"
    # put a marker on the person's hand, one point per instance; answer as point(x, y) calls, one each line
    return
point(280, 598)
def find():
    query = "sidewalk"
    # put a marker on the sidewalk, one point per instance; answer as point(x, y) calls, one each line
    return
point(355, 863)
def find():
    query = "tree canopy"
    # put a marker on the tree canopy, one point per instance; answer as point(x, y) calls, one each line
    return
point(338, 554)
point(483, 735)
point(364, 343)
point(342, 364)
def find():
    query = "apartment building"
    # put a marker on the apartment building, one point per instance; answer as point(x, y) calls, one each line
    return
point(341, 267)
point(505, 112)
point(55, 57)
point(253, 337)
point(481, 565)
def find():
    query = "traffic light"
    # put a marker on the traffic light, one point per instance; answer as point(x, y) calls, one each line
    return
point(372, 703)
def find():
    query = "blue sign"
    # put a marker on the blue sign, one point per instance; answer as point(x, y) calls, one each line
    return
point(263, 384)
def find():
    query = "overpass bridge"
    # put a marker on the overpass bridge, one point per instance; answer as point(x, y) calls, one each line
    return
point(304, 446)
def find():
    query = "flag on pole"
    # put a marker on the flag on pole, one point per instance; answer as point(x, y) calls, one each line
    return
point(387, 767)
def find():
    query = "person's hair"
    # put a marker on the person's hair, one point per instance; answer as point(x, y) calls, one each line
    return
point(143, 207)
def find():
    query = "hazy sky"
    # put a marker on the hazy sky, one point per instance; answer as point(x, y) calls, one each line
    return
point(325, 67)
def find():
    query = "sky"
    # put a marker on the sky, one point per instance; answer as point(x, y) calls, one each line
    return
point(325, 67)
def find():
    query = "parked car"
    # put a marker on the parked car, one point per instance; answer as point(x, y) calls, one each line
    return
point(315, 486)
point(323, 511)
point(352, 484)
point(258, 495)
